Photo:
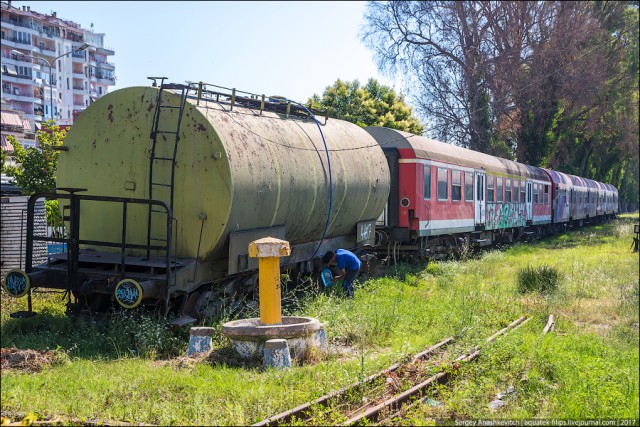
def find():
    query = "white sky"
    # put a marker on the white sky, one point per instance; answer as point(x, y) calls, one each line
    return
point(290, 48)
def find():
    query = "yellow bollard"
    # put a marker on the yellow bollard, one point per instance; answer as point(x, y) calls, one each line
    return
point(268, 251)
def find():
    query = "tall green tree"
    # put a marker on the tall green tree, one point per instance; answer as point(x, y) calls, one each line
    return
point(36, 169)
point(370, 105)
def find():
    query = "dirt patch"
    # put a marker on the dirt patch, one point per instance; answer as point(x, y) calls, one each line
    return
point(27, 360)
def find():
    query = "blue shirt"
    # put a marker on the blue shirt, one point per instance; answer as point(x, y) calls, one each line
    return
point(346, 259)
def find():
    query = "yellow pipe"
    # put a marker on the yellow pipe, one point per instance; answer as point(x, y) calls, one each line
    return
point(269, 288)
point(268, 251)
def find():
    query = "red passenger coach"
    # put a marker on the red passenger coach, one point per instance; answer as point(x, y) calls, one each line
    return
point(443, 196)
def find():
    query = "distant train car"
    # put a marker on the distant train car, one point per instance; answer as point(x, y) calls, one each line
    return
point(443, 196)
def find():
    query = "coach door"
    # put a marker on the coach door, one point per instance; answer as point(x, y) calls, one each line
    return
point(479, 198)
point(528, 201)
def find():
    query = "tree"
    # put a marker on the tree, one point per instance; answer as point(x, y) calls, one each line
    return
point(551, 84)
point(371, 105)
point(3, 159)
point(36, 169)
point(437, 47)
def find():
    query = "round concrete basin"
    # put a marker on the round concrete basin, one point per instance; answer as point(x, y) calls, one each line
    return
point(249, 335)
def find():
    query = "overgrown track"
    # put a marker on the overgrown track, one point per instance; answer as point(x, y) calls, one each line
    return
point(375, 398)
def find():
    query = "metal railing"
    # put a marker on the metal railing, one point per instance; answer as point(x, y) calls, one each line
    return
point(73, 239)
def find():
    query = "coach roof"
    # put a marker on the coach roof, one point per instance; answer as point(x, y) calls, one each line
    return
point(426, 148)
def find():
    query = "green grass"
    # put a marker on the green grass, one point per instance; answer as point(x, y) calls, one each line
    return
point(586, 368)
point(543, 279)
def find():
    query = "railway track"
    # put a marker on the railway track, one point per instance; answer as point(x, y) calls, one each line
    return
point(378, 398)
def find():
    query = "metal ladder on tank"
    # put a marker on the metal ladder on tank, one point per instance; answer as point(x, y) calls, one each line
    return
point(163, 165)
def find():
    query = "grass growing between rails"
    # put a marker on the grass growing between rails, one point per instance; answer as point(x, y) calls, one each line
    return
point(586, 368)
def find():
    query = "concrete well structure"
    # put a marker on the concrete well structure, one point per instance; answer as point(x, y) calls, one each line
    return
point(303, 335)
point(248, 336)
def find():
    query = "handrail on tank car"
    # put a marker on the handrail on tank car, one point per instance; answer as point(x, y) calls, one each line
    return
point(73, 241)
point(277, 104)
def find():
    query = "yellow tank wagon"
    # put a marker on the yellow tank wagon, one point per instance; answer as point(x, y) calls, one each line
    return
point(230, 169)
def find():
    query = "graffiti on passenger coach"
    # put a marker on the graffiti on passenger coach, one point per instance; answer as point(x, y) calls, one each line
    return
point(506, 215)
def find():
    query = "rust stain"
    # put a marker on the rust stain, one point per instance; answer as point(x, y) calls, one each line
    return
point(201, 127)
point(150, 107)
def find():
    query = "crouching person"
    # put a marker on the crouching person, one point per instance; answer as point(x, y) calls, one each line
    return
point(349, 266)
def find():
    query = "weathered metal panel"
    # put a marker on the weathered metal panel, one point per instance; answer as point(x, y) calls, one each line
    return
point(234, 171)
point(239, 259)
point(13, 232)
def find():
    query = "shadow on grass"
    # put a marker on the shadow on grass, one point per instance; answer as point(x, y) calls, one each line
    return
point(123, 336)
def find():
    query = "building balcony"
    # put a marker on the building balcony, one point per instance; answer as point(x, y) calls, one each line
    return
point(49, 35)
point(105, 51)
point(106, 80)
point(20, 43)
point(26, 97)
point(33, 117)
point(107, 65)
point(45, 50)
point(15, 78)
point(10, 23)
point(14, 43)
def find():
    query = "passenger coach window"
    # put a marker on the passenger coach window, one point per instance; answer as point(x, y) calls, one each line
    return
point(499, 190)
point(507, 190)
point(523, 192)
point(535, 193)
point(515, 190)
point(490, 197)
point(427, 182)
point(546, 194)
point(443, 184)
point(456, 185)
point(468, 186)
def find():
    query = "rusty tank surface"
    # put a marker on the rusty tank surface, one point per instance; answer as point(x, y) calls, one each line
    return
point(241, 172)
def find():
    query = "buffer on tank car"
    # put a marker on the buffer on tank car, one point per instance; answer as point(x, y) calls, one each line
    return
point(180, 178)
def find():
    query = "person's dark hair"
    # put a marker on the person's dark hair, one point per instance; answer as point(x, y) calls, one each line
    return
point(327, 257)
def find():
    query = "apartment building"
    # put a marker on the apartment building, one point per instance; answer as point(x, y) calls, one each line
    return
point(51, 67)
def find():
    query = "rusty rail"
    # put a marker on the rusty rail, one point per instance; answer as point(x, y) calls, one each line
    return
point(302, 410)
point(396, 402)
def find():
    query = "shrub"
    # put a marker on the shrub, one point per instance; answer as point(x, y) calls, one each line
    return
point(543, 279)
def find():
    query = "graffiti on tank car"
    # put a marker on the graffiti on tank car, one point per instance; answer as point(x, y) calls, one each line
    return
point(128, 293)
point(506, 215)
point(365, 232)
point(16, 283)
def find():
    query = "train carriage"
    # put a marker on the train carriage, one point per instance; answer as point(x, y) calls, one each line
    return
point(579, 199)
point(560, 195)
point(443, 193)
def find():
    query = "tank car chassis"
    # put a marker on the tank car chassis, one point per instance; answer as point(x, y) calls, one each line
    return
point(84, 272)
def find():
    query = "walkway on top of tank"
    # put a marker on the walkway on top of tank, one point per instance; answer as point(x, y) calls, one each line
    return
point(232, 97)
